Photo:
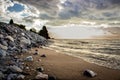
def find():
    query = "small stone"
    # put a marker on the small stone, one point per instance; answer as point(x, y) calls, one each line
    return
point(89, 73)
point(20, 77)
point(12, 77)
point(41, 76)
point(36, 52)
point(2, 53)
point(43, 55)
point(1, 75)
point(51, 78)
point(3, 47)
point(39, 59)
point(27, 68)
point(15, 69)
point(40, 69)
point(29, 58)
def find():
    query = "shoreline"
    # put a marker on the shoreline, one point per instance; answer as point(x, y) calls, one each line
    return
point(66, 67)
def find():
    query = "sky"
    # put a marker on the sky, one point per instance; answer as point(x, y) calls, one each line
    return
point(36, 13)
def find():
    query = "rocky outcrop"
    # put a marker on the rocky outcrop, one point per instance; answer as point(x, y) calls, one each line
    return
point(14, 40)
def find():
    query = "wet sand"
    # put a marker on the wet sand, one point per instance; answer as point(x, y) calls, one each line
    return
point(66, 67)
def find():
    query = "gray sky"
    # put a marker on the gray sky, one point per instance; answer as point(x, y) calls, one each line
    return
point(60, 12)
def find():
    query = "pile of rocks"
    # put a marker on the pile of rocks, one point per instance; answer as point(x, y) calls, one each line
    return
point(14, 40)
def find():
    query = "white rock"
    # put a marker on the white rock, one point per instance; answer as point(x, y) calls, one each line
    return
point(20, 77)
point(41, 76)
point(10, 38)
point(36, 52)
point(25, 41)
point(15, 69)
point(22, 34)
point(29, 58)
point(89, 73)
point(3, 47)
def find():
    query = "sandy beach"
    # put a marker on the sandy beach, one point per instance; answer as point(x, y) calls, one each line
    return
point(66, 67)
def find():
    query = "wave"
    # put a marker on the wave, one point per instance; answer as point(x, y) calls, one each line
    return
point(101, 52)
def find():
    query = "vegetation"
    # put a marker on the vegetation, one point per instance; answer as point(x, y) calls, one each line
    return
point(33, 30)
point(18, 25)
point(11, 21)
point(44, 32)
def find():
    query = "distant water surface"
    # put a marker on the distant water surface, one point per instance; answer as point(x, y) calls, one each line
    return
point(104, 52)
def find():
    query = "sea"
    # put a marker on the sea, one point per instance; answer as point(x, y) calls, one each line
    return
point(103, 52)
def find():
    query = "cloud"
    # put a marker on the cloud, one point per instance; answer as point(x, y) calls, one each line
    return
point(62, 11)
point(49, 6)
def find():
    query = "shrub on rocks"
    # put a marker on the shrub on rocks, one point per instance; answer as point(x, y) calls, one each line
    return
point(11, 21)
point(44, 32)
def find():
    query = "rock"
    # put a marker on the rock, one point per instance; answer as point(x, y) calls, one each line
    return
point(1, 36)
point(20, 77)
point(43, 55)
point(36, 52)
point(15, 69)
point(89, 73)
point(10, 38)
point(40, 69)
point(1, 76)
point(27, 68)
point(23, 34)
point(29, 58)
point(2, 53)
point(12, 77)
point(10, 43)
point(4, 43)
point(51, 78)
point(25, 41)
point(3, 47)
point(24, 50)
point(41, 76)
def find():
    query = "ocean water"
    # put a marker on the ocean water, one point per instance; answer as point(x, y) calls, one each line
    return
point(103, 52)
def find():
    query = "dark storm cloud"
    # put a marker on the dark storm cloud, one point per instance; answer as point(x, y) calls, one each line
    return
point(75, 8)
point(93, 9)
